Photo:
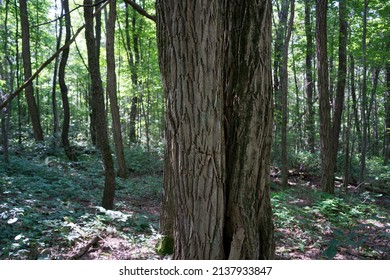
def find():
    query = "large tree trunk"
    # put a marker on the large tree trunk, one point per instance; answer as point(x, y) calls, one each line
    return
point(326, 139)
point(69, 152)
point(219, 117)
point(31, 103)
point(112, 90)
point(98, 105)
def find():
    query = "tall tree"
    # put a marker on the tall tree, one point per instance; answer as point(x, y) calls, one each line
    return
point(69, 152)
point(111, 89)
point(364, 97)
point(327, 163)
point(218, 90)
point(284, 93)
point(98, 105)
point(29, 91)
point(309, 82)
point(55, 72)
point(341, 77)
point(387, 115)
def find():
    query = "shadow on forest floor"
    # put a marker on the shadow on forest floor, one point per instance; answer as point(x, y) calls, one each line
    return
point(49, 209)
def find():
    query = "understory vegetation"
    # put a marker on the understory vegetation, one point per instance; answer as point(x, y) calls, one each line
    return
point(50, 209)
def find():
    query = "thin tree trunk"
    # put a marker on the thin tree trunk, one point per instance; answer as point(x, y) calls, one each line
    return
point(341, 78)
point(372, 109)
point(133, 63)
point(29, 91)
point(386, 150)
point(364, 99)
point(309, 83)
point(281, 28)
point(284, 94)
point(98, 104)
point(9, 77)
point(112, 90)
point(353, 94)
point(347, 131)
point(55, 72)
point(69, 152)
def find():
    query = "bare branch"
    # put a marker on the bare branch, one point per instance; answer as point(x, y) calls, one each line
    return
point(140, 10)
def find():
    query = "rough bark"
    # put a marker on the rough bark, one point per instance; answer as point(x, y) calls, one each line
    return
point(29, 91)
point(98, 104)
point(248, 87)
point(112, 90)
point(327, 163)
point(216, 71)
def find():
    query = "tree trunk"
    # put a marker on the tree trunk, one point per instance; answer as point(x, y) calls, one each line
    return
point(327, 180)
point(386, 150)
point(341, 77)
point(69, 152)
point(364, 98)
point(98, 104)
point(353, 94)
point(284, 94)
point(55, 72)
point(112, 90)
point(31, 103)
point(372, 109)
point(218, 90)
point(280, 35)
point(133, 58)
point(309, 84)
point(7, 73)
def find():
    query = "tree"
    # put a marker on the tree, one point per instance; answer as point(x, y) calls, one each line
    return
point(215, 61)
point(341, 78)
point(364, 97)
point(64, 89)
point(387, 116)
point(327, 162)
point(98, 105)
point(284, 93)
point(31, 103)
point(112, 89)
point(309, 82)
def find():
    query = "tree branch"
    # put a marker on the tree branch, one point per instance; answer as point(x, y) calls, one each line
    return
point(140, 10)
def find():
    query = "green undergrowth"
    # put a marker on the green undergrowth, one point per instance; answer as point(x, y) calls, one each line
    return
point(48, 205)
point(311, 223)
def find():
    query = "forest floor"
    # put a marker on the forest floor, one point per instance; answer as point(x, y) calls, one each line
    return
point(50, 209)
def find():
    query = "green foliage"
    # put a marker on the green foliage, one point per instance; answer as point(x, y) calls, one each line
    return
point(308, 219)
point(49, 204)
point(310, 163)
point(142, 162)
